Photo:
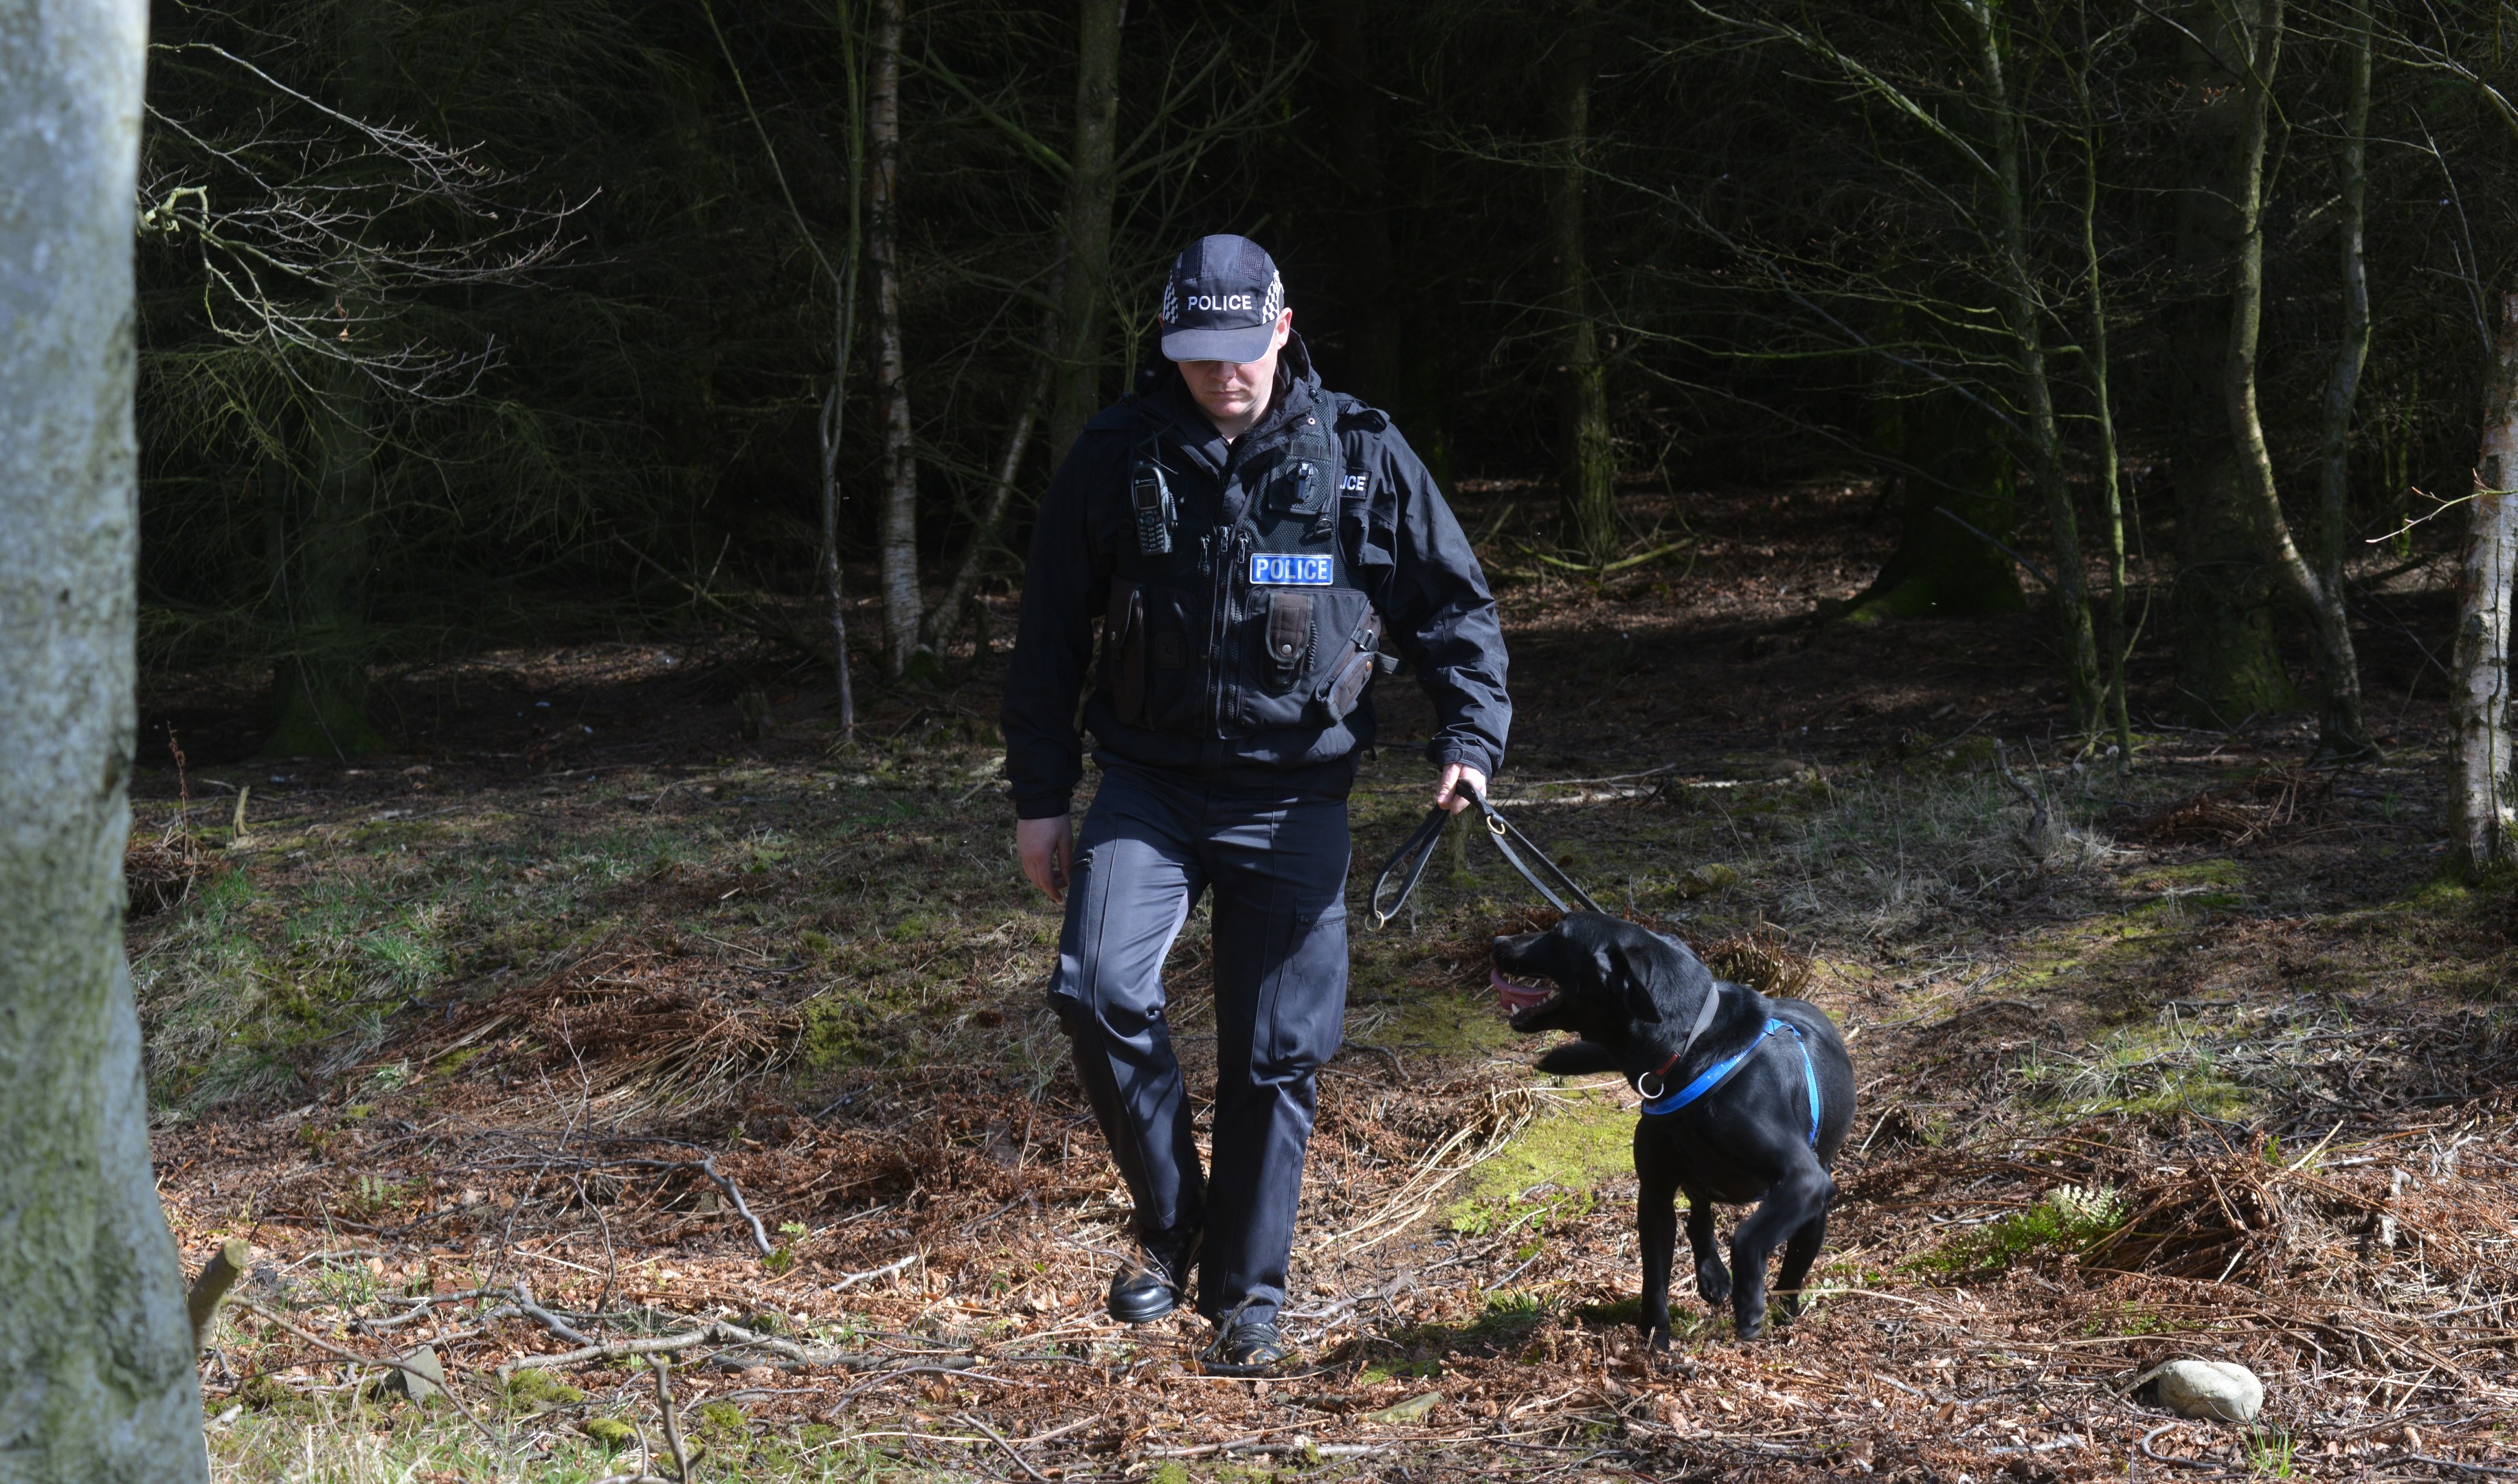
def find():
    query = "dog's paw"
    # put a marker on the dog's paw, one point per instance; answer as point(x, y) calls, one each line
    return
point(1657, 1339)
point(1712, 1283)
point(1751, 1325)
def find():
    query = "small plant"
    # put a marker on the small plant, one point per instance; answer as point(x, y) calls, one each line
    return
point(790, 1234)
point(2070, 1219)
point(2271, 1451)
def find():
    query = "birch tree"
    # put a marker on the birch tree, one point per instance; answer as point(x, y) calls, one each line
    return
point(900, 539)
point(2482, 810)
point(96, 1376)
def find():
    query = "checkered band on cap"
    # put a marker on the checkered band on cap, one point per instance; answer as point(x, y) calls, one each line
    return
point(1221, 301)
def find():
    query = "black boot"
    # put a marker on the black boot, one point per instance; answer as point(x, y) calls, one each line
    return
point(1250, 1347)
point(1150, 1287)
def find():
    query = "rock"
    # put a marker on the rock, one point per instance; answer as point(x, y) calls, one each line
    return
point(1413, 1409)
point(2207, 1389)
point(425, 1378)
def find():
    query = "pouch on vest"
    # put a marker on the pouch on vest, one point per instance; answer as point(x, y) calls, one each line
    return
point(1290, 634)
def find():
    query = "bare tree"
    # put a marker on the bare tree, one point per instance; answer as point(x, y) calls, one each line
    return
point(2342, 732)
point(2483, 805)
point(95, 1356)
point(900, 593)
point(317, 228)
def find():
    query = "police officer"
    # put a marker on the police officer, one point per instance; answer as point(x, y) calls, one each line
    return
point(1249, 541)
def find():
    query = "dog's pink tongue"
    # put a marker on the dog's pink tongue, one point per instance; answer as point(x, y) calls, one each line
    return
point(1515, 996)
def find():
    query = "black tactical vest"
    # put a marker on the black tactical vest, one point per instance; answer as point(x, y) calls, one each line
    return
point(1243, 628)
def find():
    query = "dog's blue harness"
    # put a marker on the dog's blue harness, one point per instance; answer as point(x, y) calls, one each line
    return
point(1721, 1073)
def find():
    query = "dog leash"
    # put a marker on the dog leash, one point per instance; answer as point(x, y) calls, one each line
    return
point(1419, 851)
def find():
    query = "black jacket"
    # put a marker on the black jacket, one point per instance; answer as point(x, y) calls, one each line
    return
point(1397, 537)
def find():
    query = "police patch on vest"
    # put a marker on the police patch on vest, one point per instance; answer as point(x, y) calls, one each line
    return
point(1283, 569)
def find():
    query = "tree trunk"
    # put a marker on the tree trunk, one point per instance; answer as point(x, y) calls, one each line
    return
point(2342, 733)
point(900, 539)
point(1356, 142)
point(2227, 666)
point(2343, 387)
point(1957, 467)
point(2119, 648)
point(2071, 597)
point(833, 419)
point(1586, 459)
point(1093, 190)
point(834, 404)
point(319, 683)
point(2483, 814)
point(97, 1384)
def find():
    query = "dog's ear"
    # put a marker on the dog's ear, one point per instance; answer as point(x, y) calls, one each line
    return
point(1629, 976)
point(1578, 1058)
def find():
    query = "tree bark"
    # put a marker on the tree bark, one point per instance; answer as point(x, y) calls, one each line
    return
point(2343, 387)
point(2341, 732)
point(97, 1384)
point(899, 537)
point(1092, 192)
point(1586, 457)
point(2227, 666)
point(2483, 814)
point(2071, 597)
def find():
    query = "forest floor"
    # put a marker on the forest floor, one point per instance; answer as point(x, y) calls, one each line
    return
point(491, 1046)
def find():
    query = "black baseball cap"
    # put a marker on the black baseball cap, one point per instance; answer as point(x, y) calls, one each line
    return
point(1221, 301)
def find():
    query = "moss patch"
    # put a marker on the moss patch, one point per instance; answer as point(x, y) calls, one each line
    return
point(1574, 1148)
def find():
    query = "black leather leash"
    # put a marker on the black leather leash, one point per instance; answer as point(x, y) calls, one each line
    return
point(1419, 851)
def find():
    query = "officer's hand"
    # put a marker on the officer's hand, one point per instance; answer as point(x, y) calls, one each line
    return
point(1450, 794)
point(1048, 850)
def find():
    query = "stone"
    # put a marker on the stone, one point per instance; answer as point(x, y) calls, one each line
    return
point(2208, 1389)
point(422, 1376)
point(1413, 1409)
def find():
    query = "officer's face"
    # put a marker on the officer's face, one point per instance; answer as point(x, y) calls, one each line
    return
point(1232, 394)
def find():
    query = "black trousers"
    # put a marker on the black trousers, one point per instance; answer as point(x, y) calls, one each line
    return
point(1151, 844)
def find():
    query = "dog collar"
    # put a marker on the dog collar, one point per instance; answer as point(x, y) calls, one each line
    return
point(1720, 1072)
point(1704, 1017)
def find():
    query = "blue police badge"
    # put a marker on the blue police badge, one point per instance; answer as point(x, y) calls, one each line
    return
point(1282, 569)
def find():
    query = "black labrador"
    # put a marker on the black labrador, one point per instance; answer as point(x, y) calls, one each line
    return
point(1729, 1078)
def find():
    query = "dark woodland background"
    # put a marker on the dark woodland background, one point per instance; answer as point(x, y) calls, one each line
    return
point(468, 324)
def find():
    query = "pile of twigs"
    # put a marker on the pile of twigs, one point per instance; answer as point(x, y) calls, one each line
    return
point(2236, 815)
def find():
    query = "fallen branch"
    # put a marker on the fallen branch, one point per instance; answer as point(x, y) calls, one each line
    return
point(664, 1370)
point(553, 1322)
point(1000, 1441)
point(851, 1280)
